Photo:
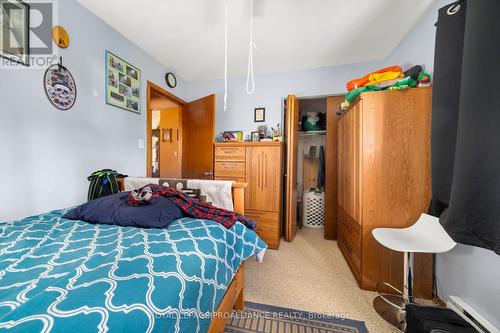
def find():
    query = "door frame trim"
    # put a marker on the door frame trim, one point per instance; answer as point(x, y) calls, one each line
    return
point(152, 87)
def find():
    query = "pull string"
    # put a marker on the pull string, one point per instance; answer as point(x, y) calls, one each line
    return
point(250, 76)
point(225, 54)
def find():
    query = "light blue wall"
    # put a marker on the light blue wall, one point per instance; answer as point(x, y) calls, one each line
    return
point(469, 272)
point(473, 274)
point(46, 154)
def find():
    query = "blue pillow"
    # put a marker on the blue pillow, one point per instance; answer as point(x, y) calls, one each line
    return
point(114, 209)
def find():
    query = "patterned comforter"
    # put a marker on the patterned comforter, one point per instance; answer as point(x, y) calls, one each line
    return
point(58, 275)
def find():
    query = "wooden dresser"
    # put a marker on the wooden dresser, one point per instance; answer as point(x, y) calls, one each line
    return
point(260, 165)
point(384, 180)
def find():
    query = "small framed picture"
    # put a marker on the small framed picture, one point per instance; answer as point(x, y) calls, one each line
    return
point(260, 115)
point(255, 136)
point(233, 136)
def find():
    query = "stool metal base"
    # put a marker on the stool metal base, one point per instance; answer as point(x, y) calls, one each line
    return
point(394, 316)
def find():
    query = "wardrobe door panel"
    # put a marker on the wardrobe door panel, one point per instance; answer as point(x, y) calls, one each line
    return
point(333, 104)
point(396, 177)
point(263, 189)
point(349, 161)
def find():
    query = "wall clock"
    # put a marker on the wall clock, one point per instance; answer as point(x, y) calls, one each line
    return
point(171, 80)
point(60, 87)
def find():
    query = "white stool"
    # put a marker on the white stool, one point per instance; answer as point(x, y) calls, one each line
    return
point(425, 236)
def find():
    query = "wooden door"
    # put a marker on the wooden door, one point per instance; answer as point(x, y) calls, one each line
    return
point(170, 143)
point(332, 106)
point(291, 141)
point(349, 155)
point(198, 134)
point(263, 165)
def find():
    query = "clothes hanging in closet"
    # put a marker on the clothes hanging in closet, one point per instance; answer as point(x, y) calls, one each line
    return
point(321, 171)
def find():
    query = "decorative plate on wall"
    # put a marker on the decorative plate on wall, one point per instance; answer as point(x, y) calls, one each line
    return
point(60, 87)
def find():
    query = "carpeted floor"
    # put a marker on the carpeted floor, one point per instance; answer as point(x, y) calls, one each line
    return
point(271, 319)
point(310, 274)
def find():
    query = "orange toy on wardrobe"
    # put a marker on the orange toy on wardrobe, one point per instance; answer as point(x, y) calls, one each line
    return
point(361, 82)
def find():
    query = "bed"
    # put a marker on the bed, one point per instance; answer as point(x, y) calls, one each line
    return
point(57, 275)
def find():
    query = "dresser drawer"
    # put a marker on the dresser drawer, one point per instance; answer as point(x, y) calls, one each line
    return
point(232, 169)
point(350, 231)
point(264, 219)
point(234, 179)
point(228, 153)
point(268, 227)
point(271, 237)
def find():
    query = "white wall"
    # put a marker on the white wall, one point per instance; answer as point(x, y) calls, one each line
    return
point(46, 154)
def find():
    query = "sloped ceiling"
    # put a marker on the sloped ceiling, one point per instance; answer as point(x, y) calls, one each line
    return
point(187, 36)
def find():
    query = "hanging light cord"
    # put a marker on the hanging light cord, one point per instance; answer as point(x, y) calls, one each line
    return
point(225, 55)
point(250, 75)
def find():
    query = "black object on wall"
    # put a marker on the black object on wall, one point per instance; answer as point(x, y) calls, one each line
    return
point(466, 123)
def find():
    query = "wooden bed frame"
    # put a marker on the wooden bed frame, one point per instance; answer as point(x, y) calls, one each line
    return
point(234, 297)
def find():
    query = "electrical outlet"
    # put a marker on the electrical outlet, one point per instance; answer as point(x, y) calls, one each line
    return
point(141, 143)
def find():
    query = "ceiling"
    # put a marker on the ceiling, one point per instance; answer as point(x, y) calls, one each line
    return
point(187, 36)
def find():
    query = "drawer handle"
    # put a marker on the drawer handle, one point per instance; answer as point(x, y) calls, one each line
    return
point(265, 165)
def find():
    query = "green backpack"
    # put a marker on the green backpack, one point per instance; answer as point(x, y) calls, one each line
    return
point(103, 183)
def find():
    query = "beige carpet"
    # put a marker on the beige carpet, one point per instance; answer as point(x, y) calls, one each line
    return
point(310, 274)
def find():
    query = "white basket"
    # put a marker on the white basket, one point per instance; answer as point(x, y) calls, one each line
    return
point(313, 209)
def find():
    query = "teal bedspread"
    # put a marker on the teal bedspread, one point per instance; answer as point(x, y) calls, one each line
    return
point(58, 275)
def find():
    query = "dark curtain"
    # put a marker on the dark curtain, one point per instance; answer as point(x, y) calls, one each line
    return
point(466, 123)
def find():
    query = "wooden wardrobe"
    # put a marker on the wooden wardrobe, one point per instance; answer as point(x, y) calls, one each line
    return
point(260, 165)
point(384, 180)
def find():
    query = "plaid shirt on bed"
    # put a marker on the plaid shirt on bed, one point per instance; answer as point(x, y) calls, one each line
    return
point(194, 207)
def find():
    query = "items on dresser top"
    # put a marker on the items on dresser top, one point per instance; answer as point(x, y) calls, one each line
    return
point(259, 164)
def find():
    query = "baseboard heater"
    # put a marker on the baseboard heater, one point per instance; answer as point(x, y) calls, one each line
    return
point(473, 317)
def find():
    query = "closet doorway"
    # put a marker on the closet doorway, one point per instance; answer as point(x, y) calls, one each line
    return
point(311, 163)
point(180, 135)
